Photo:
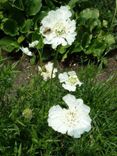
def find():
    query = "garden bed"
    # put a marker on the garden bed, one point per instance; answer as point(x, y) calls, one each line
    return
point(58, 78)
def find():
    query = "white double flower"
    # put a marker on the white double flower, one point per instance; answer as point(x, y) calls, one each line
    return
point(57, 27)
point(73, 121)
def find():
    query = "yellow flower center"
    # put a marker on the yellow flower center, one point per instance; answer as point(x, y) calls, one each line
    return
point(71, 117)
point(72, 80)
point(59, 29)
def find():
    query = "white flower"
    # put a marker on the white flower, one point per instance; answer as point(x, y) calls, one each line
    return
point(57, 27)
point(69, 80)
point(73, 121)
point(33, 44)
point(26, 51)
point(48, 71)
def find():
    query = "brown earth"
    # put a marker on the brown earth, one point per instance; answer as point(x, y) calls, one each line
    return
point(26, 71)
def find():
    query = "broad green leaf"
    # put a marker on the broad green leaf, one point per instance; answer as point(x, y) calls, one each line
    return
point(35, 36)
point(38, 17)
point(96, 48)
point(72, 3)
point(26, 26)
point(8, 44)
point(17, 4)
point(89, 13)
point(109, 39)
point(93, 24)
point(33, 6)
point(10, 27)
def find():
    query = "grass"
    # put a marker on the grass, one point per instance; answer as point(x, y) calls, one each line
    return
point(20, 136)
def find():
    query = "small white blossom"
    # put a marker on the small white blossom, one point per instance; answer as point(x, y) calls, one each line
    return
point(33, 44)
point(73, 121)
point(48, 71)
point(57, 27)
point(69, 80)
point(26, 51)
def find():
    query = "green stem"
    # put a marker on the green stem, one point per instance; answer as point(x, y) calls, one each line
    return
point(50, 87)
point(40, 56)
point(115, 12)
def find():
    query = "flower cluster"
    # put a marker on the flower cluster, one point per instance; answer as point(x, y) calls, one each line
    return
point(74, 120)
point(48, 71)
point(26, 50)
point(57, 27)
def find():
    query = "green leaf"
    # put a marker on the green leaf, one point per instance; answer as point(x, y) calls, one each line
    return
point(3, 1)
point(10, 27)
point(20, 150)
point(72, 3)
point(105, 23)
point(26, 26)
point(8, 44)
point(96, 48)
point(93, 24)
point(62, 49)
point(89, 13)
point(20, 39)
point(17, 4)
point(1, 15)
point(64, 57)
point(40, 44)
point(32, 60)
point(33, 6)
point(86, 39)
point(109, 39)
point(77, 48)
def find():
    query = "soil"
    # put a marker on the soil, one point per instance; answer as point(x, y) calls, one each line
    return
point(26, 71)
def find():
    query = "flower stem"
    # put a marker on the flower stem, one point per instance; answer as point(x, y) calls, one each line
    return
point(40, 56)
point(115, 12)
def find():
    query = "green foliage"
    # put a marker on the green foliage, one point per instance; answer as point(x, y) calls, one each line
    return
point(21, 20)
point(18, 19)
point(92, 36)
point(23, 116)
point(33, 7)
point(8, 44)
point(7, 74)
point(10, 27)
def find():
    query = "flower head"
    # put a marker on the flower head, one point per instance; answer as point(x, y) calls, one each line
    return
point(48, 71)
point(33, 44)
point(57, 27)
point(69, 80)
point(74, 121)
point(27, 113)
point(26, 51)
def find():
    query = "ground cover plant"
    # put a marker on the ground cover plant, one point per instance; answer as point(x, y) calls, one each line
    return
point(93, 36)
point(62, 107)
point(24, 128)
